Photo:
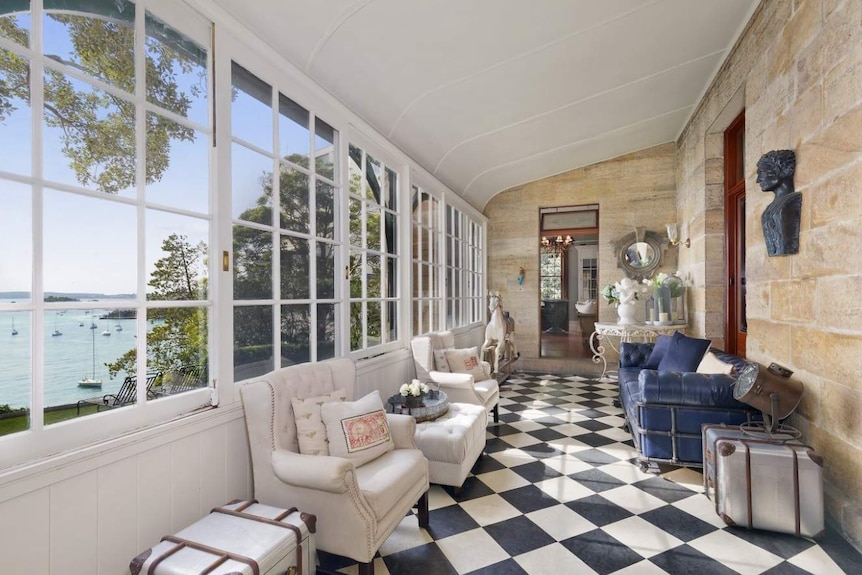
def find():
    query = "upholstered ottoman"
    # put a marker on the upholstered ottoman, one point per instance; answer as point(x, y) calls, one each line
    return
point(453, 442)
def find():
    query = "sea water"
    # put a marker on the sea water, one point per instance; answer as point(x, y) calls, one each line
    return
point(68, 357)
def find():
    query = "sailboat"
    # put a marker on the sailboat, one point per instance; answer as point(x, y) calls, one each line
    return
point(118, 327)
point(56, 331)
point(107, 331)
point(14, 331)
point(88, 381)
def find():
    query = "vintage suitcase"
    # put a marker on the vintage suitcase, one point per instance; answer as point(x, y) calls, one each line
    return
point(242, 537)
point(763, 484)
point(712, 432)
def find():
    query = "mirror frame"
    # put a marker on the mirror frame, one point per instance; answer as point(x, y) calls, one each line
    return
point(656, 241)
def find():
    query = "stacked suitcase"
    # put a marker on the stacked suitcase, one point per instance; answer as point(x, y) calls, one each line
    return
point(763, 481)
point(240, 538)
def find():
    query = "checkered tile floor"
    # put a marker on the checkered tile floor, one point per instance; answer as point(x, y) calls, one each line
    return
point(558, 493)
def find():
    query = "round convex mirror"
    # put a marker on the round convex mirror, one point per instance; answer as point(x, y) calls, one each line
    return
point(640, 255)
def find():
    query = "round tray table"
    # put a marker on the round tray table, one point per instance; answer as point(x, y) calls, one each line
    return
point(434, 404)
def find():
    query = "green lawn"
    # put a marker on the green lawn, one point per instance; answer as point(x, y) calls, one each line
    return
point(22, 422)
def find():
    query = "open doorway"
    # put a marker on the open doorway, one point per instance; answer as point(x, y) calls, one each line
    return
point(568, 270)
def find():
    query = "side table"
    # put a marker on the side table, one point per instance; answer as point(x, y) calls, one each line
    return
point(625, 333)
point(434, 404)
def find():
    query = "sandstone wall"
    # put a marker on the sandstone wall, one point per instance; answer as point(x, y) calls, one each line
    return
point(633, 190)
point(799, 66)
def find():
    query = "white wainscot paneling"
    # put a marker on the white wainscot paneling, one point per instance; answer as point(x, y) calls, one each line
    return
point(24, 535)
point(94, 512)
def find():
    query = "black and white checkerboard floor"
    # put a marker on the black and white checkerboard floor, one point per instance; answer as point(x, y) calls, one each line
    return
point(558, 493)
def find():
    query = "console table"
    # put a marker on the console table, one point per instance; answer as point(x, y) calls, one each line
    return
point(632, 332)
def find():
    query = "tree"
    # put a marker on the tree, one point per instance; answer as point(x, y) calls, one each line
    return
point(98, 128)
point(179, 336)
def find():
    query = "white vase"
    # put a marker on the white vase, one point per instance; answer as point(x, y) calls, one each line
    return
point(626, 311)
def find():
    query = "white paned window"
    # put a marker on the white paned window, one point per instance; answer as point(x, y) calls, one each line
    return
point(427, 261)
point(464, 269)
point(284, 229)
point(105, 223)
point(374, 259)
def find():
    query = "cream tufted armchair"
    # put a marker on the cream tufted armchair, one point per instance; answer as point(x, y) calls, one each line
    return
point(356, 507)
point(459, 387)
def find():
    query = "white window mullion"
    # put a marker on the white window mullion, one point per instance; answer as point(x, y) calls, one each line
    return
point(37, 313)
point(140, 181)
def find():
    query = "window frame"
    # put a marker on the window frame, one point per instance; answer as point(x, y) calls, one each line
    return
point(422, 231)
point(41, 440)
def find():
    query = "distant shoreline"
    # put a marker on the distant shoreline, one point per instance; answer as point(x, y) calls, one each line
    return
point(66, 296)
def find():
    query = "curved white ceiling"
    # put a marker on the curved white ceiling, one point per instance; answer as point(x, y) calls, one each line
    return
point(489, 94)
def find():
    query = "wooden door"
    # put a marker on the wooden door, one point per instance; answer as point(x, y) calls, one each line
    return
point(734, 214)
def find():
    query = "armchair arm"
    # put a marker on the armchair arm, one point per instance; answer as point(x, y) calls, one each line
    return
point(403, 429)
point(689, 388)
point(486, 367)
point(446, 378)
point(318, 472)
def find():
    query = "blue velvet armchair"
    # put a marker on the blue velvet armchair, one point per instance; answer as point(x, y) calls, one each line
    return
point(664, 410)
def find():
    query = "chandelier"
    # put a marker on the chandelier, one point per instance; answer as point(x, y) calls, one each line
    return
point(556, 245)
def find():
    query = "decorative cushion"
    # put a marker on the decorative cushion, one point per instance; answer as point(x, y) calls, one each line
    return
point(440, 363)
point(357, 430)
point(711, 364)
point(684, 353)
point(310, 431)
point(466, 361)
point(662, 343)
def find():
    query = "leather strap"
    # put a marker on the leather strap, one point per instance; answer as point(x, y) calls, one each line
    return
point(221, 555)
point(276, 522)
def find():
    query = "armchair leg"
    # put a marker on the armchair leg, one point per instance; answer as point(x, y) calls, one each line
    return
point(366, 568)
point(422, 511)
point(497, 413)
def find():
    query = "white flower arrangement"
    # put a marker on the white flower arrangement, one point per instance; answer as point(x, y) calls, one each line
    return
point(415, 389)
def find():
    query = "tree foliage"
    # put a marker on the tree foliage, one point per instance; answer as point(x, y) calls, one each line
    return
point(98, 127)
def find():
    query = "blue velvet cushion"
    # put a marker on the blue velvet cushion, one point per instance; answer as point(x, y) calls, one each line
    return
point(683, 353)
point(662, 343)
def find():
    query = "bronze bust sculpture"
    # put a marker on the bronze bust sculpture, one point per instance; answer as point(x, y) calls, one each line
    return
point(781, 218)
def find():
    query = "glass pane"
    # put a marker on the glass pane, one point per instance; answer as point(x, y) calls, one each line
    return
point(295, 268)
point(252, 340)
point(325, 270)
point(372, 225)
point(373, 321)
point(355, 222)
point(325, 331)
point(252, 263)
point(184, 152)
point(176, 71)
point(355, 274)
point(251, 185)
point(70, 262)
point(294, 200)
point(177, 255)
point(87, 364)
point(295, 334)
point(15, 379)
point(392, 189)
point(100, 43)
point(324, 148)
point(356, 324)
point(177, 348)
point(16, 265)
point(325, 210)
point(293, 131)
point(355, 171)
point(392, 321)
point(89, 138)
point(391, 287)
point(373, 184)
point(391, 233)
point(417, 320)
point(251, 108)
point(373, 275)
point(15, 21)
point(15, 119)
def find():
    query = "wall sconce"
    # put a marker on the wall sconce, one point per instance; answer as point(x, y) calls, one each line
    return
point(673, 233)
point(521, 275)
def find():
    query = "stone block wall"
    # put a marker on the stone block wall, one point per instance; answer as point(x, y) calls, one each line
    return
point(798, 66)
point(637, 189)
